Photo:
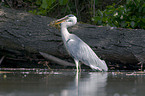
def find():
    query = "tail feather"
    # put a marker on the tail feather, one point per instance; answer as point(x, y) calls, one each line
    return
point(101, 66)
point(105, 68)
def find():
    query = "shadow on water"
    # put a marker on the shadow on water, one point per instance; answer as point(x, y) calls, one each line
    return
point(40, 82)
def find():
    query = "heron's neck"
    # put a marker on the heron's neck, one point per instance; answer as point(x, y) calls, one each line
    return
point(64, 32)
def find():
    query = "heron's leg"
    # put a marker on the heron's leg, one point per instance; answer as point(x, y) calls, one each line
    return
point(80, 66)
point(77, 64)
point(141, 66)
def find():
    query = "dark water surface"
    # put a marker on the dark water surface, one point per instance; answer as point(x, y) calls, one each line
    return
point(40, 82)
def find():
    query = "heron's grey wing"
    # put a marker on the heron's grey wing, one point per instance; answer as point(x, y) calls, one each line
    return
point(82, 52)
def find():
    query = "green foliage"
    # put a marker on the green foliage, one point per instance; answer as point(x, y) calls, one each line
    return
point(83, 9)
point(44, 6)
point(130, 15)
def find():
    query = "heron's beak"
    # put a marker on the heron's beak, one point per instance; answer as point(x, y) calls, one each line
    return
point(60, 20)
point(56, 22)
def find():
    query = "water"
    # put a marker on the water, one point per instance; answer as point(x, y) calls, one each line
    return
point(40, 82)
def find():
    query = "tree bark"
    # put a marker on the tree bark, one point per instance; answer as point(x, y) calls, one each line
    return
point(23, 34)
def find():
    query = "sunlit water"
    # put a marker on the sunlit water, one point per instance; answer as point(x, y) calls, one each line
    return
point(39, 82)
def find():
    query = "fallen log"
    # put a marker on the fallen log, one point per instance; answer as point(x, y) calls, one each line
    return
point(23, 34)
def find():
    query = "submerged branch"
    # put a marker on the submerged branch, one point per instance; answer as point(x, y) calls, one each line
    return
point(1, 60)
point(56, 60)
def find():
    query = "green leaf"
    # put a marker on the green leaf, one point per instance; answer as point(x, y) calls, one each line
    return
point(47, 3)
point(97, 20)
point(138, 1)
point(44, 4)
point(143, 20)
point(100, 13)
point(132, 23)
point(38, 2)
point(140, 9)
point(123, 24)
point(96, 2)
point(50, 2)
point(63, 2)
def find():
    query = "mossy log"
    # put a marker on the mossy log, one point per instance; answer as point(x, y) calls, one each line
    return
point(24, 35)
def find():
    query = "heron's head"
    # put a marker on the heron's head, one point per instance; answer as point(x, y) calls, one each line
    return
point(67, 21)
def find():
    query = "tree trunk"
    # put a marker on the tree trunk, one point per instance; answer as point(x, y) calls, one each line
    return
point(23, 36)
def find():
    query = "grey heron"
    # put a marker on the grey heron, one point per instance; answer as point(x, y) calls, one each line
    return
point(77, 48)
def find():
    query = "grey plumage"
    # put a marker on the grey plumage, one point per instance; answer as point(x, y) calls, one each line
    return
point(79, 50)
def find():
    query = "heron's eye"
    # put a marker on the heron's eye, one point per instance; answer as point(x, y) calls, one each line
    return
point(69, 20)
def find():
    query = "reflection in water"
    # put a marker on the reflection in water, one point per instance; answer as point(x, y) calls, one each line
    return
point(70, 84)
point(56, 84)
point(87, 84)
point(93, 84)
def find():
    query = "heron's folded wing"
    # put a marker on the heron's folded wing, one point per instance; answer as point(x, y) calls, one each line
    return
point(81, 51)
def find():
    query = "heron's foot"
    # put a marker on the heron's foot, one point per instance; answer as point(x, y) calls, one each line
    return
point(78, 70)
point(141, 65)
